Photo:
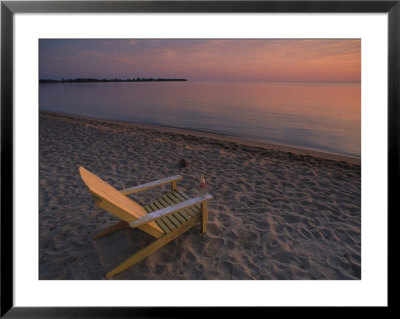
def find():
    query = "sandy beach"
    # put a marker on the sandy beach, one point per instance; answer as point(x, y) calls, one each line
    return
point(277, 213)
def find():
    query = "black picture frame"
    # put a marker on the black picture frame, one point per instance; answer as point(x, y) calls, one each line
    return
point(9, 8)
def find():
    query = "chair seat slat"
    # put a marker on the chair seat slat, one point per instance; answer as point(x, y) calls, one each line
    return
point(194, 210)
point(177, 200)
point(159, 222)
point(171, 217)
point(165, 220)
point(177, 215)
point(183, 213)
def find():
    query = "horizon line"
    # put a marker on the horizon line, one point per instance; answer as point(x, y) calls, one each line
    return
point(138, 79)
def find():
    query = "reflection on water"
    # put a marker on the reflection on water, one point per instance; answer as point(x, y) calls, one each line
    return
point(312, 115)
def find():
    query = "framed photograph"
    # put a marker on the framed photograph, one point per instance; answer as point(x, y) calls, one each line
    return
point(164, 155)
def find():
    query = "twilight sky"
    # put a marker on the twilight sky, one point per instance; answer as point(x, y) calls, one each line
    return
point(331, 60)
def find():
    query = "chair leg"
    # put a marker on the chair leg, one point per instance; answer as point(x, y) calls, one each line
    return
point(120, 225)
point(157, 244)
point(204, 217)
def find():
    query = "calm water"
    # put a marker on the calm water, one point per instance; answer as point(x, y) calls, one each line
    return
point(325, 117)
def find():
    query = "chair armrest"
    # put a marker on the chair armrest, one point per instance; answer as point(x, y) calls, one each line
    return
point(143, 187)
point(169, 210)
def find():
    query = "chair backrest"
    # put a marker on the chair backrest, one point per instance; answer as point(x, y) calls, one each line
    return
point(110, 199)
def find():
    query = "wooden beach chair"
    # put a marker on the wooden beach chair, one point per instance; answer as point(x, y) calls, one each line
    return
point(164, 218)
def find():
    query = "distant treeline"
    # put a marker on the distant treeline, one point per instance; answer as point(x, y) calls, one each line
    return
point(85, 80)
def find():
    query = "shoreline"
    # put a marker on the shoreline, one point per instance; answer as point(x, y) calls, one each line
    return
point(220, 137)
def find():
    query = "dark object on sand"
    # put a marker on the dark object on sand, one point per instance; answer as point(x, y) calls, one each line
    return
point(183, 163)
